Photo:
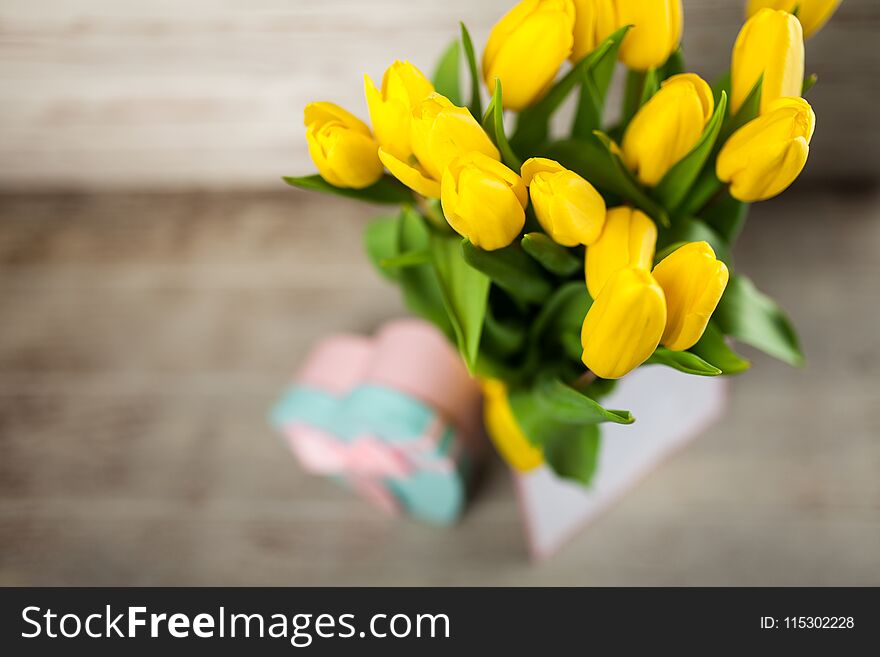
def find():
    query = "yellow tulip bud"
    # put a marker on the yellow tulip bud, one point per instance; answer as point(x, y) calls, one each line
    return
point(813, 14)
point(627, 240)
point(693, 281)
point(654, 35)
point(770, 43)
point(594, 21)
point(569, 208)
point(341, 146)
point(483, 200)
point(440, 132)
point(623, 326)
point(403, 87)
point(761, 159)
point(504, 431)
point(667, 127)
point(526, 48)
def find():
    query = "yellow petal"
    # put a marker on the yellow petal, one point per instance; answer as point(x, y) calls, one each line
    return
point(693, 281)
point(771, 44)
point(321, 113)
point(341, 146)
point(569, 208)
point(766, 155)
point(410, 176)
point(624, 325)
point(628, 239)
point(406, 84)
point(442, 132)
point(526, 49)
point(594, 21)
point(655, 34)
point(812, 14)
point(504, 430)
point(483, 201)
point(536, 165)
point(667, 127)
point(390, 122)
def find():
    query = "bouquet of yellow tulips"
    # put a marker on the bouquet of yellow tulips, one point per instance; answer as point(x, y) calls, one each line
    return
point(559, 265)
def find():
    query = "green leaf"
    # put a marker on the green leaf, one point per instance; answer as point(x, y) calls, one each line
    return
point(419, 284)
point(381, 242)
point(511, 269)
point(571, 450)
point(493, 124)
point(600, 388)
point(387, 190)
point(594, 90)
point(719, 85)
point(551, 256)
point(476, 105)
point(533, 125)
point(683, 361)
point(640, 86)
point(726, 216)
point(503, 338)
point(650, 86)
point(673, 66)
point(668, 250)
point(809, 82)
point(750, 109)
point(689, 229)
point(679, 180)
point(713, 349)
point(565, 404)
point(571, 345)
point(703, 191)
point(566, 308)
point(557, 326)
point(465, 294)
point(446, 77)
point(573, 453)
point(408, 259)
point(753, 318)
point(596, 160)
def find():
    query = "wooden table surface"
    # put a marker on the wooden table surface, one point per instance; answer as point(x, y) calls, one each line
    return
point(144, 337)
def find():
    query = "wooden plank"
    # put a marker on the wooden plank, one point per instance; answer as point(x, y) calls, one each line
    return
point(101, 94)
point(145, 336)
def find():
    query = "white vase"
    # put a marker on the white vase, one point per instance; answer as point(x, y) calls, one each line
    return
point(671, 409)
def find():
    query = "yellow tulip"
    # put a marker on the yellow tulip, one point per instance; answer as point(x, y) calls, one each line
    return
point(627, 240)
point(526, 48)
point(594, 21)
point(440, 132)
point(655, 35)
point(693, 281)
point(341, 146)
point(770, 43)
point(569, 208)
point(403, 87)
point(624, 325)
point(667, 127)
point(504, 431)
point(813, 14)
point(483, 200)
point(761, 159)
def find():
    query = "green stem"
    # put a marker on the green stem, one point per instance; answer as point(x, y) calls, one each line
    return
point(632, 97)
point(706, 189)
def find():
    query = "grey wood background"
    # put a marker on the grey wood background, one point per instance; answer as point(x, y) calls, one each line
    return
point(145, 336)
point(101, 94)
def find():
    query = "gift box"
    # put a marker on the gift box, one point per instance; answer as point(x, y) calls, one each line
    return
point(396, 417)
